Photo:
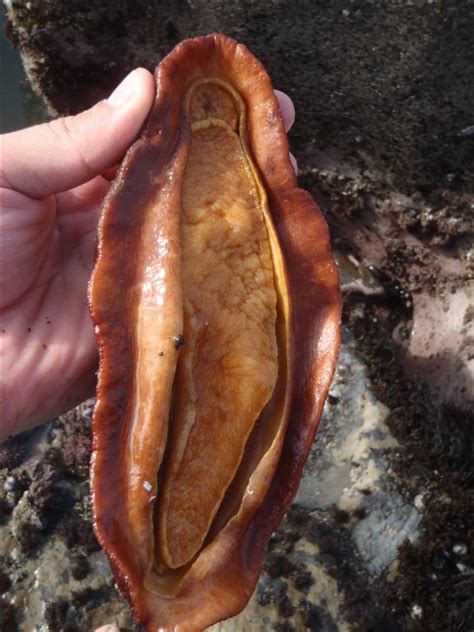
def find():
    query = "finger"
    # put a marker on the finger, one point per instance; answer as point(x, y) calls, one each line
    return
point(82, 197)
point(294, 163)
point(109, 174)
point(64, 153)
point(287, 109)
point(78, 209)
point(108, 628)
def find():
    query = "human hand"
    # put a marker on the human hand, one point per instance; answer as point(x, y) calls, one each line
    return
point(52, 190)
point(51, 195)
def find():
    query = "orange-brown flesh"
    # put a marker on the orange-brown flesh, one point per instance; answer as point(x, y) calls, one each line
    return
point(228, 366)
point(140, 214)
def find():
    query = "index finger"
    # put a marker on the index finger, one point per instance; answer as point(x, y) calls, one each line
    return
point(287, 109)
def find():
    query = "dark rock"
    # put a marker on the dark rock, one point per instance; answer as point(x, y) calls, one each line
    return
point(8, 618)
point(80, 567)
point(392, 80)
point(5, 582)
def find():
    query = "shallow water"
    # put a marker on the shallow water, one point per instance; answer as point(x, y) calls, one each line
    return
point(19, 106)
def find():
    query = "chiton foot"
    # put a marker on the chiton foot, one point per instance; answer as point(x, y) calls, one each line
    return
point(216, 304)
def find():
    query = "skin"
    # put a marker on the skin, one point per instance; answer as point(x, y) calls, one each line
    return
point(53, 180)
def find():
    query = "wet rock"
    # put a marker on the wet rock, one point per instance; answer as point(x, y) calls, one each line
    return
point(389, 80)
point(80, 567)
point(5, 582)
point(8, 618)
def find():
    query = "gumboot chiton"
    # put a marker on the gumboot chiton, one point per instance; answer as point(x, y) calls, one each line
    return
point(216, 304)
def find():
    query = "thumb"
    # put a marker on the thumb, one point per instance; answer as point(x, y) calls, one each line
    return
point(64, 153)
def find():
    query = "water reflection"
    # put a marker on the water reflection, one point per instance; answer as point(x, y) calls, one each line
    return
point(19, 106)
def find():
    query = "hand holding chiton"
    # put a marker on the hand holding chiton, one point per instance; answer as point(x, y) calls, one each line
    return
point(216, 304)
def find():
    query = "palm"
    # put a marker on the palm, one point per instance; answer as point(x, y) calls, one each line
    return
point(49, 352)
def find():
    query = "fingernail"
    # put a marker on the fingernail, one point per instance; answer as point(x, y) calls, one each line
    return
point(294, 164)
point(287, 109)
point(108, 628)
point(124, 92)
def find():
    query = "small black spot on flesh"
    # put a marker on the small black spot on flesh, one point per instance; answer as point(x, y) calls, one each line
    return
point(178, 341)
